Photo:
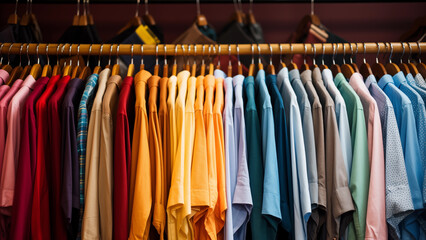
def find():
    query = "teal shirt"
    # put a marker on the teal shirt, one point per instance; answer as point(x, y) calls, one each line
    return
point(360, 171)
point(259, 227)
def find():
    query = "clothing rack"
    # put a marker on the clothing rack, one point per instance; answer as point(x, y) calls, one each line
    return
point(217, 49)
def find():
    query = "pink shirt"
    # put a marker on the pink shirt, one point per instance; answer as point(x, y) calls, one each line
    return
point(3, 90)
point(376, 227)
point(4, 103)
point(13, 139)
point(4, 76)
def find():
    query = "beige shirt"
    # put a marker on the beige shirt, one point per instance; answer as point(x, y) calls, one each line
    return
point(90, 227)
point(109, 111)
point(339, 199)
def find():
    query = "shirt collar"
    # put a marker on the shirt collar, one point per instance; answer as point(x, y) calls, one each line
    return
point(260, 76)
point(306, 76)
point(219, 74)
point(399, 79)
point(370, 80)
point(29, 81)
point(327, 77)
point(339, 79)
point(228, 84)
point(410, 78)
point(238, 80)
point(385, 80)
point(4, 76)
point(294, 74)
point(282, 76)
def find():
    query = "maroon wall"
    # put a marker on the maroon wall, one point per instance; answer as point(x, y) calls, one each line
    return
point(353, 21)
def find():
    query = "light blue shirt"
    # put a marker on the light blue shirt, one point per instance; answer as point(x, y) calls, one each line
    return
point(407, 130)
point(301, 186)
point(420, 81)
point(342, 119)
point(412, 82)
point(271, 190)
point(241, 200)
point(398, 196)
point(230, 151)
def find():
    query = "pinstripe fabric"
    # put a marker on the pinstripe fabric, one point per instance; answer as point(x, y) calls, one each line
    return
point(83, 123)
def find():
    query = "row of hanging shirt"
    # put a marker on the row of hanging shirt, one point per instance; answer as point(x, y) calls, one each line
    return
point(299, 155)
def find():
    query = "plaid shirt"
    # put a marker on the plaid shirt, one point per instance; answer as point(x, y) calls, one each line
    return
point(83, 123)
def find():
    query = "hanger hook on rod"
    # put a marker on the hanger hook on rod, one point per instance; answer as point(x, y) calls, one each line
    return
point(356, 52)
point(187, 54)
point(378, 51)
point(70, 50)
point(38, 58)
point(391, 52)
point(252, 53)
point(344, 53)
point(118, 50)
point(78, 54)
point(1, 48)
point(20, 55)
point(420, 52)
point(110, 52)
point(403, 52)
point(156, 54)
point(291, 52)
point(195, 54)
point(47, 54)
point(229, 56)
point(131, 55)
point(270, 58)
point(100, 53)
point(88, 56)
point(137, 8)
point(8, 53)
point(323, 51)
point(365, 49)
point(281, 53)
point(334, 53)
point(238, 54)
point(258, 50)
point(314, 50)
point(304, 54)
point(409, 55)
point(165, 54)
point(174, 60)
point(219, 49)
point(202, 59)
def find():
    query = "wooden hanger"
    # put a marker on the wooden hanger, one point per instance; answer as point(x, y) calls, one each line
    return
point(57, 68)
point(391, 68)
point(7, 67)
point(47, 69)
point(378, 69)
point(403, 66)
point(365, 68)
point(134, 22)
point(131, 68)
point(292, 65)
point(323, 66)
point(259, 64)
point(421, 66)
point(252, 66)
point(85, 72)
point(166, 65)
point(16, 72)
point(116, 68)
point(67, 69)
point(335, 68)
point(194, 64)
point(148, 18)
point(346, 68)
point(156, 67)
point(97, 69)
point(13, 18)
point(271, 68)
point(76, 69)
point(201, 20)
point(229, 61)
point(305, 66)
point(174, 67)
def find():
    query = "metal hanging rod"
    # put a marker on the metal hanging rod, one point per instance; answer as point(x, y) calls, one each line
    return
point(213, 49)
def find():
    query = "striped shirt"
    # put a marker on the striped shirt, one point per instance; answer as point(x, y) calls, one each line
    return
point(83, 123)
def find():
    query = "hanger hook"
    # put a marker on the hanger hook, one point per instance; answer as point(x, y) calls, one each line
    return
point(281, 53)
point(411, 51)
point(252, 53)
point(378, 51)
point(229, 58)
point(20, 55)
point(291, 52)
point(323, 52)
point(270, 58)
point(146, 7)
point(88, 56)
point(314, 50)
point(100, 53)
point(214, 52)
point(420, 52)
point(174, 62)
point(356, 52)
point(8, 53)
point(219, 50)
point(116, 54)
point(1, 48)
point(195, 53)
point(47, 54)
point(391, 52)
point(57, 54)
point(156, 54)
point(38, 58)
point(258, 50)
point(344, 53)
point(187, 54)
point(202, 60)
point(137, 8)
point(70, 50)
point(365, 49)
point(197, 2)
point(78, 54)
point(183, 52)
point(238, 54)
point(403, 52)
point(28, 55)
point(334, 53)
point(304, 54)
point(165, 54)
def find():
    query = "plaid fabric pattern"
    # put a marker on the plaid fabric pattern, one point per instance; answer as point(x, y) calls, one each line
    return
point(83, 123)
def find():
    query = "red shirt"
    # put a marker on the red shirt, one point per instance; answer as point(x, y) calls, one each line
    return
point(57, 217)
point(40, 214)
point(122, 157)
point(21, 213)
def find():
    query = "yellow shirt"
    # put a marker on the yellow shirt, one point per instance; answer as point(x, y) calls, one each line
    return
point(221, 205)
point(156, 156)
point(200, 198)
point(140, 176)
point(176, 193)
point(210, 220)
point(186, 230)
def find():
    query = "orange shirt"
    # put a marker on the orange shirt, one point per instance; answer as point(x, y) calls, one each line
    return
point(221, 204)
point(156, 156)
point(210, 220)
point(140, 175)
point(200, 197)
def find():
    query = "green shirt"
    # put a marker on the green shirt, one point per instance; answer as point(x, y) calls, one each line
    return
point(360, 169)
